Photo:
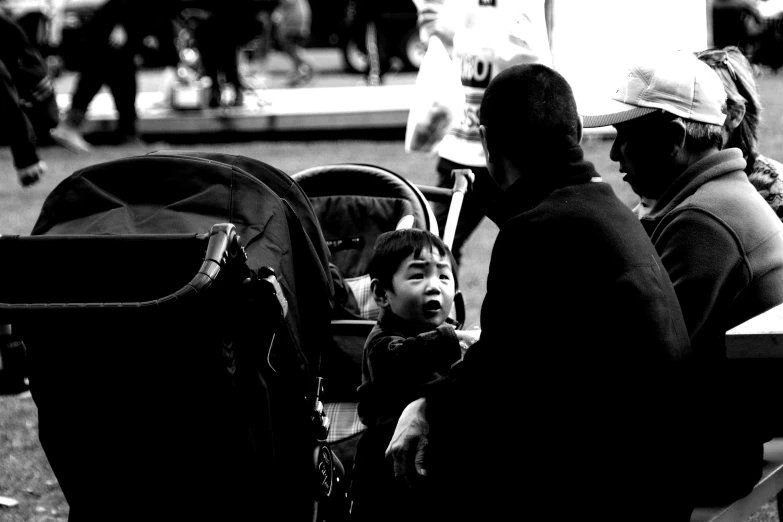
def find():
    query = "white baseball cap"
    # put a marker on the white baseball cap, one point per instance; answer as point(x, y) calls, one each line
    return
point(676, 82)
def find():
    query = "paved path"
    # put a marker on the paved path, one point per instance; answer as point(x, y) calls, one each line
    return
point(332, 100)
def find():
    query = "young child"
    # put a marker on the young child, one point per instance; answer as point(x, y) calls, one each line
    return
point(414, 280)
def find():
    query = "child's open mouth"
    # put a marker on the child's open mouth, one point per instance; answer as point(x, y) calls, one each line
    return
point(431, 307)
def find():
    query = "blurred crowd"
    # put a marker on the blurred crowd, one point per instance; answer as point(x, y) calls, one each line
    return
point(197, 46)
point(754, 26)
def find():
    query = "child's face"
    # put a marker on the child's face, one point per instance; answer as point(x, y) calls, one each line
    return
point(422, 289)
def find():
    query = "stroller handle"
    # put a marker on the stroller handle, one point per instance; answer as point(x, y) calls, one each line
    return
point(223, 240)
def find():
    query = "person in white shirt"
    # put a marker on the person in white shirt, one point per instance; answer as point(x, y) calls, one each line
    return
point(484, 37)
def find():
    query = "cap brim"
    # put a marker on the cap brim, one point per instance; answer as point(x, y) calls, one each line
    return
point(612, 113)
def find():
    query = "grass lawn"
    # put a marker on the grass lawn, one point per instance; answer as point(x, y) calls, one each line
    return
point(24, 471)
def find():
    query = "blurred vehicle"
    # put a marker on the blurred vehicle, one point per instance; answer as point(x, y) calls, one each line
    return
point(33, 17)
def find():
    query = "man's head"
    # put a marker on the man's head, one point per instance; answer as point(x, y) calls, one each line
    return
point(525, 110)
point(414, 276)
point(668, 112)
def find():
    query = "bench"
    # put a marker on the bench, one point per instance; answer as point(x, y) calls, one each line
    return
point(758, 338)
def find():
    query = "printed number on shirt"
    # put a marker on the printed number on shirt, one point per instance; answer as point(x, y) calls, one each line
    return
point(471, 119)
point(476, 71)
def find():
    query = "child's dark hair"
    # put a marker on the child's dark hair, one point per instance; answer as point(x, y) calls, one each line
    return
point(391, 249)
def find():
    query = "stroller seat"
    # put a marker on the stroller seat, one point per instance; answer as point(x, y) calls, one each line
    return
point(354, 204)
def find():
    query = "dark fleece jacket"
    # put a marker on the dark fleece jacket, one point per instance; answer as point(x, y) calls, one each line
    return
point(722, 246)
point(582, 346)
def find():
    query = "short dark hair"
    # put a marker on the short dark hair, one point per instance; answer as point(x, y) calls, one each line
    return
point(699, 136)
point(392, 248)
point(527, 107)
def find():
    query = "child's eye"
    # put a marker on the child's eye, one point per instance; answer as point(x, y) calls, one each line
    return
point(417, 276)
point(445, 277)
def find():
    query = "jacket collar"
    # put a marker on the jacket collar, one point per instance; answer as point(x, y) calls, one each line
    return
point(706, 169)
point(560, 167)
point(391, 322)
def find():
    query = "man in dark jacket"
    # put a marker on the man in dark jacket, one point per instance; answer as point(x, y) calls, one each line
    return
point(583, 345)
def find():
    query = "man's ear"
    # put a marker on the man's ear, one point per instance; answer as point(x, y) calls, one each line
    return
point(736, 112)
point(675, 133)
point(379, 294)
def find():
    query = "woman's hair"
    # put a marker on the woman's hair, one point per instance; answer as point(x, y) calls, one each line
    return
point(737, 75)
point(392, 248)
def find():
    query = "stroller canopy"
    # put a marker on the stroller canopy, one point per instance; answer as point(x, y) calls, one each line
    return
point(193, 395)
point(176, 193)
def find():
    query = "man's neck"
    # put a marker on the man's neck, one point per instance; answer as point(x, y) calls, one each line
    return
point(686, 158)
point(680, 164)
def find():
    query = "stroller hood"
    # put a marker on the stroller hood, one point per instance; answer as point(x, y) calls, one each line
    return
point(178, 193)
point(174, 383)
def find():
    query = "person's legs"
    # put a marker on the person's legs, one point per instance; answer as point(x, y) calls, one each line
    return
point(230, 67)
point(90, 80)
point(474, 205)
point(302, 71)
point(206, 35)
point(123, 85)
point(373, 55)
point(88, 83)
point(384, 29)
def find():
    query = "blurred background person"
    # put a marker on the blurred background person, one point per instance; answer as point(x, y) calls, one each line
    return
point(291, 22)
point(26, 96)
point(736, 22)
point(35, 18)
point(373, 29)
point(219, 38)
point(484, 37)
point(741, 129)
point(112, 38)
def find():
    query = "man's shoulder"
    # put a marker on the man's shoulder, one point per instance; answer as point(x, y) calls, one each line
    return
point(594, 203)
point(732, 200)
point(584, 217)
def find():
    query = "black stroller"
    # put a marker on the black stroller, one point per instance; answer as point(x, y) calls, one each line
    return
point(173, 308)
point(354, 204)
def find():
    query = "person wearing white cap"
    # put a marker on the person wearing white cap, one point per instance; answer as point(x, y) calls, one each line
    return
point(719, 240)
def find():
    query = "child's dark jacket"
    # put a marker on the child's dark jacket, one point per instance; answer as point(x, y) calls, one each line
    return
point(400, 356)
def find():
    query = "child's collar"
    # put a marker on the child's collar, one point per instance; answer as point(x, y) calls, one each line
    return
point(391, 321)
